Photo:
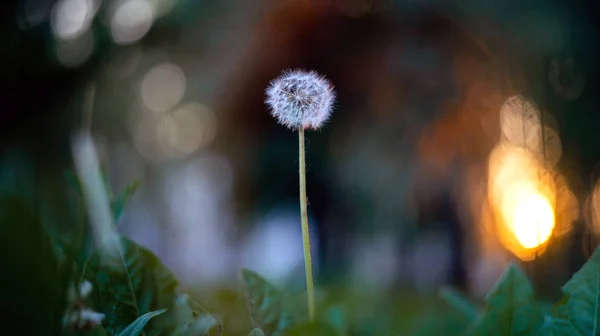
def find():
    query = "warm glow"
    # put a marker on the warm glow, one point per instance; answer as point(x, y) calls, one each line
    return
point(533, 219)
point(523, 195)
point(528, 201)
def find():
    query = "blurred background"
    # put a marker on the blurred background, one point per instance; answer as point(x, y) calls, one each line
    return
point(464, 133)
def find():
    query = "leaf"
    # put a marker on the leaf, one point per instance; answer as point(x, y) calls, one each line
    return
point(510, 307)
point(256, 332)
point(118, 203)
point(73, 180)
point(557, 327)
point(268, 307)
point(135, 284)
point(460, 303)
point(30, 285)
point(136, 328)
point(337, 318)
point(583, 291)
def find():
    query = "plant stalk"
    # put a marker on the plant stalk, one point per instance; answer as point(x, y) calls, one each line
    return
point(310, 287)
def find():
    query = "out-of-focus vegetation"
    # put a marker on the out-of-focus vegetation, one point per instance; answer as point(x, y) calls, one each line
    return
point(464, 143)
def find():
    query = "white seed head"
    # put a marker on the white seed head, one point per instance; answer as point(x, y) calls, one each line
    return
point(300, 99)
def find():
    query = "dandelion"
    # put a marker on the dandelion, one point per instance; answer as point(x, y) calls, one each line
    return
point(302, 100)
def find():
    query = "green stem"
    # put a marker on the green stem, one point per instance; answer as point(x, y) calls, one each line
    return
point(310, 287)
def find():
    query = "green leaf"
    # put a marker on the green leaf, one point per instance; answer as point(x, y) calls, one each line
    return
point(510, 307)
point(73, 181)
point(557, 327)
point(460, 303)
point(337, 318)
point(136, 328)
point(129, 286)
point(118, 203)
point(583, 291)
point(256, 332)
point(268, 307)
point(30, 285)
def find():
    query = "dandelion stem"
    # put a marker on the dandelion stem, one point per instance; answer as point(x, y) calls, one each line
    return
point(310, 287)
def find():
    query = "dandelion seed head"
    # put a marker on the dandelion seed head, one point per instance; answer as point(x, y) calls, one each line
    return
point(300, 99)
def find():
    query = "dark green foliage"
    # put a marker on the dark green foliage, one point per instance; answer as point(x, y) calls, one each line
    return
point(136, 292)
point(137, 327)
point(336, 316)
point(31, 288)
point(268, 306)
point(256, 332)
point(583, 292)
point(511, 308)
point(460, 303)
point(126, 288)
point(118, 203)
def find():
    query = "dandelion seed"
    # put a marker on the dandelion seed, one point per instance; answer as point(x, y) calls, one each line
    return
point(300, 99)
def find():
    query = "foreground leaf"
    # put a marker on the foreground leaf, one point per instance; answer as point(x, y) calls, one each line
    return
point(136, 328)
point(267, 305)
point(256, 332)
point(337, 318)
point(583, 291)
point(118, 203)
point(126, 288)
point(460, 303)
point(510, 307)
point(30, 283)
point(557, 327)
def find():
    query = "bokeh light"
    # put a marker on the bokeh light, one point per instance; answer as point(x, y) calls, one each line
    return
point(187, 129)
point(546, 145)
point(594, 209)
point(523, 125)
point(74, 52)
point(532, 215)
point(34, 12)
point(72, 18)
point(567, 207)
point(530, 202)
point(522, 195)
point(131, 20)
point(163, 87)
point(518, 119)
point(162, 7)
